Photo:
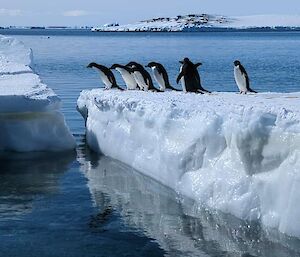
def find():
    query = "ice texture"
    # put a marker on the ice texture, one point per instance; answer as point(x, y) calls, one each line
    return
point(236, 153)
point(30, 117)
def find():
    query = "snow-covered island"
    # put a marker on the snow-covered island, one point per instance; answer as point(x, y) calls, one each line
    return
point(236, 153)
point(30, 117)
point(198, 22)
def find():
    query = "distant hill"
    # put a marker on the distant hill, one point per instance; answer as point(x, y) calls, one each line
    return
point(195, 22)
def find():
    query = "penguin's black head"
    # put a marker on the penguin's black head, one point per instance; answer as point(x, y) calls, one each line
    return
point(91, 65)
point(130, 64)
point(114, 66)
point(185, 60)
point(236, 63)
point(133, 69)
point(151, 64)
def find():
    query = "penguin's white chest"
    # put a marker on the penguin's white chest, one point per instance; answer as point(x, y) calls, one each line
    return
point(182, 80)
point(159, 79)
point(140, 80)
point(240, 79)
point(105, 80)
point(128, 78)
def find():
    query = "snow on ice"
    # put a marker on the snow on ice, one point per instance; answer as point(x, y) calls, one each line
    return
point(196, 21)
point(30, 118)
point(236, 153)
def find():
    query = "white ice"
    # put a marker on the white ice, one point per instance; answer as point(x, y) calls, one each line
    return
point(30, 117)
point(236, 153)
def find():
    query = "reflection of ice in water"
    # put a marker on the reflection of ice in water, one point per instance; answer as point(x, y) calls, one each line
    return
point(24, 176)
point(180, 227)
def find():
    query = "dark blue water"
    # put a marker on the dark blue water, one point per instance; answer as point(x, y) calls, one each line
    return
point(81, 204)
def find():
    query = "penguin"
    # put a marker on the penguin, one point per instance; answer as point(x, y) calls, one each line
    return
point(106, 76)
point(241, 78)
point(182, 80)
point(161, 76)
point(127, 75)
point(190, 78)
point(142, 77)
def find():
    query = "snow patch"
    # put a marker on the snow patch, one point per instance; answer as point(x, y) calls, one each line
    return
point(236, 153)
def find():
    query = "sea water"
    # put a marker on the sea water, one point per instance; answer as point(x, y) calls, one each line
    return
point(82, 204)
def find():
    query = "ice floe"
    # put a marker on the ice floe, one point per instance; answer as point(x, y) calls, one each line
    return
point(30, 117)
point(236, 153)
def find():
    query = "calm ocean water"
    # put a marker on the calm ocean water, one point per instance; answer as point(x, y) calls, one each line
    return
point(81, 204)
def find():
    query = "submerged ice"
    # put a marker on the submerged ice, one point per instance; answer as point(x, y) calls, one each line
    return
point(30, 117)
point(234, 153)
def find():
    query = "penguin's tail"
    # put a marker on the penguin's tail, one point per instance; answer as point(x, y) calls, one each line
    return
point(204, 91)
point(252, 91)
point(154, 89)
point(118, 87)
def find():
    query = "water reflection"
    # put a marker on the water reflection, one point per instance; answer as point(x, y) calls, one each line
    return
point(24, 176)
point(178, 225)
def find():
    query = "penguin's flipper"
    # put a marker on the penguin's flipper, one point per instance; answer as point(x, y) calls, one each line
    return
point(197, 64)
point(112, 79)
point(179, 76)
point(150, 85)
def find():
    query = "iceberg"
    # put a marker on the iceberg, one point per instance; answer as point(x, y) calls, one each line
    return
point(30, 117)
point(239, 154)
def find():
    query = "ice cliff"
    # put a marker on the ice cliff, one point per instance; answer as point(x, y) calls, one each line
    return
point(30, 117)
point(236, 153)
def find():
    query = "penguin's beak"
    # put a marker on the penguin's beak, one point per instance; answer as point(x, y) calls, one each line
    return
point(181, 62)
point(147, 66)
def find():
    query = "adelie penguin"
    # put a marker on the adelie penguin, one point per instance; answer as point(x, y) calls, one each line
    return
point(241, 78)
point(190, 78)
point(142, 77)
point(161, 76)
point(106, 76)
point(127, 75)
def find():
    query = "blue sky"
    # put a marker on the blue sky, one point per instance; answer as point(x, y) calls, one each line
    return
point(97, 12)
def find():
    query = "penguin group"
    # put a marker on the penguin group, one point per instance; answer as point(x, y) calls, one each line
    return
point(136, 77)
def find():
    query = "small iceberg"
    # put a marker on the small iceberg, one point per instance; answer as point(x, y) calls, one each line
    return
point(30, 117)
point(239, 154)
